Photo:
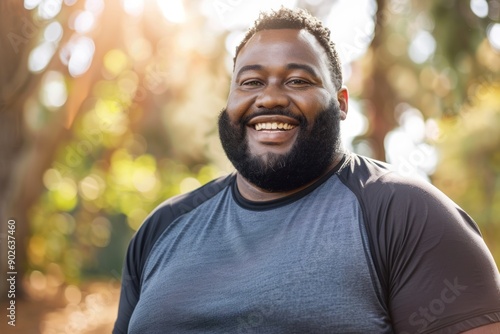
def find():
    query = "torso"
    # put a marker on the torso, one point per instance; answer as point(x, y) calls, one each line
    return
point(296, 268)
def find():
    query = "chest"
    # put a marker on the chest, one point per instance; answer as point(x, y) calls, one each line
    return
point(235, 271)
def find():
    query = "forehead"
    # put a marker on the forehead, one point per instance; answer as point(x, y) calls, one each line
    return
point(277, 47)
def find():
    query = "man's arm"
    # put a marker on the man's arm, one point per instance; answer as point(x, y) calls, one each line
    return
point(436, 270)
point(488, 329)
point(443, 278)
point(129, 294)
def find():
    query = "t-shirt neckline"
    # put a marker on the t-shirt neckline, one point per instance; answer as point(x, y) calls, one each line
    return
point(273, 204)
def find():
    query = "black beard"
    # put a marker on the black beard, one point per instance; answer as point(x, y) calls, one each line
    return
point(312, 153)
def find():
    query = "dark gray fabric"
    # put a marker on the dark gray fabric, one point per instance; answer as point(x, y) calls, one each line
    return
point(437, 273)
point(360, 251)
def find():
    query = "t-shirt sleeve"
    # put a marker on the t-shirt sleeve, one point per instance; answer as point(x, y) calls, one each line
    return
point(135, 258)
point(129, 294)
point(437, 272)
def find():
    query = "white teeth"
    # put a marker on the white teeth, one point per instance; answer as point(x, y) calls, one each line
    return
point(273, 126)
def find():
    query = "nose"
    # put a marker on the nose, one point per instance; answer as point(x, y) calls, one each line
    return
point(272, 96)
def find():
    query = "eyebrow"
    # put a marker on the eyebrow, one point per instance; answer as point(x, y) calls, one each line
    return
point(291, 66)
point(249, 68)
point(307, 68)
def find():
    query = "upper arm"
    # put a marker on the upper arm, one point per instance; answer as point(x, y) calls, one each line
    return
point(135, 258)
point(129, 294)
point(439, 275)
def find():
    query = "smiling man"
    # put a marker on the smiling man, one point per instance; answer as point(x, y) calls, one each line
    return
point(305, 237)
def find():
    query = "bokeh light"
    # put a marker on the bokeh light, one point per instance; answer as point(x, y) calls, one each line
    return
point(189, 184)
point(40, 56)
point(422, 47)
point(48, 9)
point(73, 294)
point(84, 22)
point(352, 27)
point(407, 148)
point(53, 93)
point(31, 4)
point(81, 54)
point(133, 7)
point(53, 32)
point(493, 33)
point(172, 10)
point(94, 6)
point(479, 7)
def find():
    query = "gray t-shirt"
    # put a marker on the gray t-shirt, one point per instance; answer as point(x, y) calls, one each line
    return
point(360, 251)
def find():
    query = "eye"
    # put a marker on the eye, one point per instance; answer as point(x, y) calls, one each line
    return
point(298, 82)
point(251, 83)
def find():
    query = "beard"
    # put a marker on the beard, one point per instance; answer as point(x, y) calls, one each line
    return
point(311, 155)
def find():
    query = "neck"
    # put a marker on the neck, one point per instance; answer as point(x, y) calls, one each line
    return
point(253, 193)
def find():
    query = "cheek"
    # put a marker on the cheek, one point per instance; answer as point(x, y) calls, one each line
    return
point(312, 106)
point(237, 105)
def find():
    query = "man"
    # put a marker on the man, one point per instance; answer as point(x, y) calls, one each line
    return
point(304, 237)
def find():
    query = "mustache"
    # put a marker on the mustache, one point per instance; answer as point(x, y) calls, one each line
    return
point(275, 111)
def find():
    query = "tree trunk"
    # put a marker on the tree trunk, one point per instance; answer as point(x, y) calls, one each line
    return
point(16, 38)
point(377, 91)
point(25, 155)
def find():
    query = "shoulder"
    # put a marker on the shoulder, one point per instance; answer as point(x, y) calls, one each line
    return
point(365, 174)
point(160, 218)
point(400, 212)
point(382, 190)
point(174, 207)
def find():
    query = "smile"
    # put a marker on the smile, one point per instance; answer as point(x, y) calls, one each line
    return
point(273, 126)
point(273, 123)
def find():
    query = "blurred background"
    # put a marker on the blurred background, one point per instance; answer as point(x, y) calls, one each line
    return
point(107, 108)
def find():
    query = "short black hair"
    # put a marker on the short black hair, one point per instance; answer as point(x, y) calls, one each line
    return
point(286, 18)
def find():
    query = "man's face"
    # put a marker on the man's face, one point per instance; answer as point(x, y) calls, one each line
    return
point(280, 127)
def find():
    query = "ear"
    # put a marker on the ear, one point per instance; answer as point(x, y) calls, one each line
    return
point(343, 98)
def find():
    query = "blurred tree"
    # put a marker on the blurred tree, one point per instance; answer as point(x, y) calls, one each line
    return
point(428, 54)
point(470, 168)
point(30, 146)
point(378, 94)
point(80, 83)
point(465, 79)
point(16, 83)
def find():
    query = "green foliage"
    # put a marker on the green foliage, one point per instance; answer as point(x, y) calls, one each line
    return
point(470, 164)
point(93, 208)
point(125, 114)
